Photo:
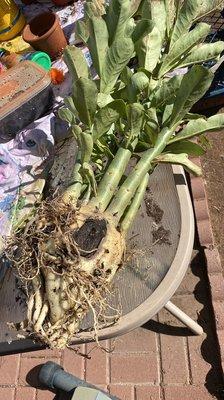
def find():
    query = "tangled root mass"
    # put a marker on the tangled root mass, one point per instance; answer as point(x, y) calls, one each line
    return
point(65, 258)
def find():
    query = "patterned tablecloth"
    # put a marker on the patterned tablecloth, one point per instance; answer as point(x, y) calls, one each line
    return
point(25, 160)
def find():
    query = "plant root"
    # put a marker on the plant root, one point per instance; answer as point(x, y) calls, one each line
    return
point(66, 258)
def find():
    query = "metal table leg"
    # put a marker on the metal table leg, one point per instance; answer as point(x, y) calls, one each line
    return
point(184, 318)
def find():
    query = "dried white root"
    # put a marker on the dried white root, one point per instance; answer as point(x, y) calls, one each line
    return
point(65, 281)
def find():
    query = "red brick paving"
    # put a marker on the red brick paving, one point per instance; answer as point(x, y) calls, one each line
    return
point(96, 369)
point(187, 393)
point(160, 361)
point(131, 368)
point(44, 395)
point(122, 391)
point(167, 367)
point(7, 393)
point(148, 392)
point(25, 393)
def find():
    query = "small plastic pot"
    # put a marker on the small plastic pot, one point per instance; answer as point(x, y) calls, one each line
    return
point(44, 33)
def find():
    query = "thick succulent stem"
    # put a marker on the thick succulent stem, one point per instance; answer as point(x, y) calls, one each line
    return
point(128, 188)
point(73, 192)
point(135, 204)
point(111, 179)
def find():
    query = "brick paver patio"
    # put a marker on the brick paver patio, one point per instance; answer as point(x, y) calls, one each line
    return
point(157, 361)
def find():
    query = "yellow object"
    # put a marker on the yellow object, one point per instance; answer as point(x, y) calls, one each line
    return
point(16, 45)
point(12, 20)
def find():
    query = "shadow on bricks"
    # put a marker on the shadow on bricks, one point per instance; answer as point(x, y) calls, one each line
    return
point(204, 356)
point(209, 347)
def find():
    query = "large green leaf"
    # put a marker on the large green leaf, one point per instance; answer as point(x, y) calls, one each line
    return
point(98, 42)
point(94, 8)
point(190, 11)
point(183, 46)
point(81, 30)
point(181, 159)
point(148, 50)
point(65, 114)
point(192, 116)
point(134, 6)
point(159, 15)
point(139, 81)
point(69, 103)
point(193, 86)
point(133, 84)
point(204, 52)
point(118, 13)
point(117, 57)
point(186, 16)
point(200, 126)
point(106, 116)
point(151, 127)
point(143, 28)
point(145, 9)
point(129, 27)
point(86, 143)
point(167, 114)
point(103, 99)
point(126, 75)
point(207, 6)
point(156, 11)
point(165, 93)
point(76, 62)
point(85, 99)
point(171, 11)
point(135, 116)
point(185, 146)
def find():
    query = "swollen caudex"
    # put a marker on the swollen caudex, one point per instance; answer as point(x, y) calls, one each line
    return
point(66, 263)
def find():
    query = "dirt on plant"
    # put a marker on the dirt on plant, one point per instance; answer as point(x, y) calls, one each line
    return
point(152, 209)
point(213, 171)
point(160, 235)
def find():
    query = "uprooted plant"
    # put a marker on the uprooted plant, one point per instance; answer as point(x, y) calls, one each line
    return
point(124, 111)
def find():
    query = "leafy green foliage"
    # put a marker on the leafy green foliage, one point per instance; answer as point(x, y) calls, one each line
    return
point(76, 62)
point(182, 159)
point(65, 114)
point(193, 86)
point(85, 97)
point(135, 114)
point(132, 98)
point(202, 53)
point(98, 42)
point(185, 146)
point(148, 49)
point(200, 126)
point(166, 92)
point(117, 57)
point(182, 46)
point(107, 116)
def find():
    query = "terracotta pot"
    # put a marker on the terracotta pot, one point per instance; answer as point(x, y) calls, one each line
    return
point(44, 33)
